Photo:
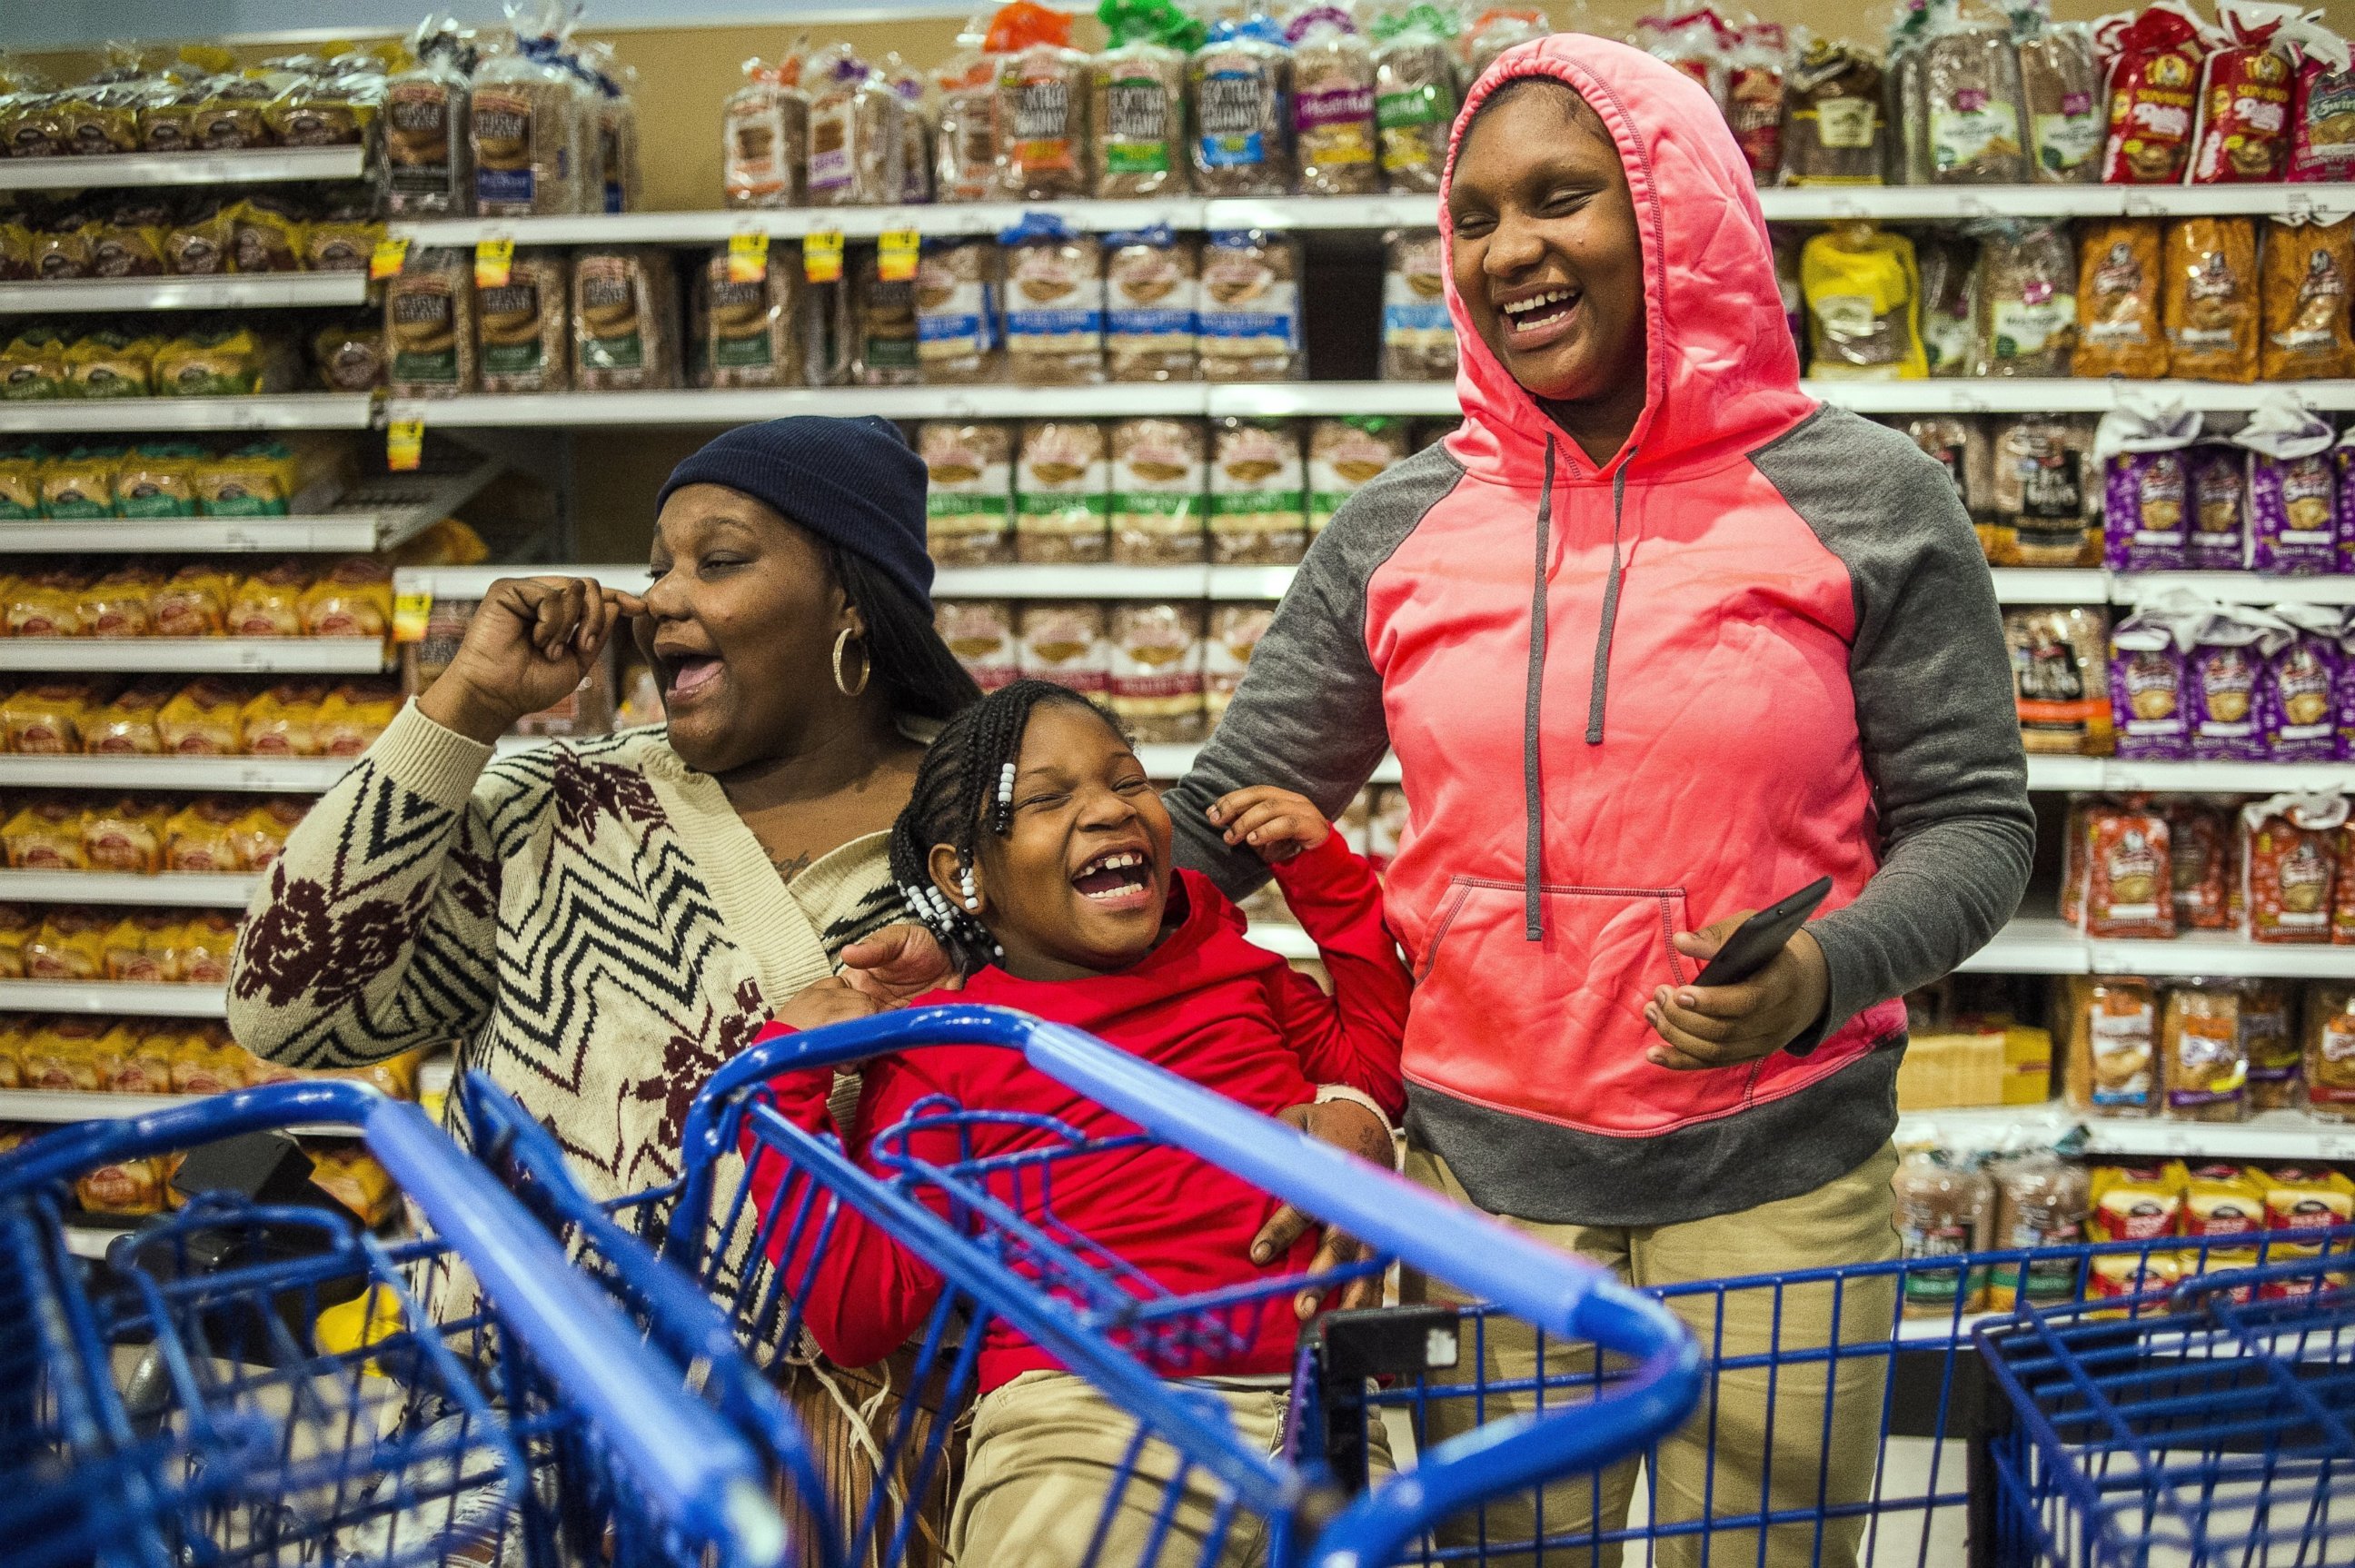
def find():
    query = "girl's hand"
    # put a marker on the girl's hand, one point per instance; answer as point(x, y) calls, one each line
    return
point(1275, 822)
point(530, 641)
point(898, 962)
point(832, 1001)
point(1720, 1026)
point(1345, 1126)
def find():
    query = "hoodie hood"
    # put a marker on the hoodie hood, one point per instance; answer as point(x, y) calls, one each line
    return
point(1722, 374)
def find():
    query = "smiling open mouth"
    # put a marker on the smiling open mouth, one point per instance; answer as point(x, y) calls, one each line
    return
point(1113, 875)
point(1541, 310)
point(690, 674)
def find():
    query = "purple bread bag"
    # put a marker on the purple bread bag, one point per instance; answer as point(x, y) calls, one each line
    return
point(2222, 681)
point(2217, 533)
point(2293, 522)
point(2342, 467)
point(2301, 681)
point(2148, 712)
point(2145, 500)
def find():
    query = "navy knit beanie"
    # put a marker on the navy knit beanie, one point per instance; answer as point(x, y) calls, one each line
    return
point(853, 483)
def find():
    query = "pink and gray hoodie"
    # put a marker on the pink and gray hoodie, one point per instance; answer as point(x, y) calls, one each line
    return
point(1758, 646)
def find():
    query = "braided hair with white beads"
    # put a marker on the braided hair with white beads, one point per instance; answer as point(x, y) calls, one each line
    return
point(966, 782)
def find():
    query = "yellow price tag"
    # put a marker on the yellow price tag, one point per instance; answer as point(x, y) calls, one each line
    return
point(385, 261)
point(748, 258)
point(895, 256)
point(404, 445)
point(822, 256)
point(493, 259)
point(411, 610)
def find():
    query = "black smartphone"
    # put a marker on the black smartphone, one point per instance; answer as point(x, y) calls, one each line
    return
point(1757, 940)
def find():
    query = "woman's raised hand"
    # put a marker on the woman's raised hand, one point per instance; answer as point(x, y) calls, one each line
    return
point(1718, 1026)
point(531, 641)
point(897, 963)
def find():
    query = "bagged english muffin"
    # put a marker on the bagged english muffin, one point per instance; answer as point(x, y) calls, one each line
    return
point(522, 328)
point(1062, 484)
point(1345, 455)
point(625, 320)
point(429, 325)
point(1159, 478)
point(1257, 500)
point(2307, 270)
point(746, 335)
point(969, 500)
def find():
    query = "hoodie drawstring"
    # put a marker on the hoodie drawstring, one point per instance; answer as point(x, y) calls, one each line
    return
point(1533, 853)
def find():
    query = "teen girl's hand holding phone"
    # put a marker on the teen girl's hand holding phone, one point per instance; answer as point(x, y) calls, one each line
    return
point(1772, 1005)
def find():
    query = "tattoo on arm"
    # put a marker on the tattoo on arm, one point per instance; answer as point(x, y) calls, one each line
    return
point(791, 867)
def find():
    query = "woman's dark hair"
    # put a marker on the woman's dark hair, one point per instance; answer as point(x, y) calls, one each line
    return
point(960, 783)
point(1579, 110)
point(918, 673)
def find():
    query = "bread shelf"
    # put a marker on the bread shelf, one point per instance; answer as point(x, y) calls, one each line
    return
point(59, 1106)
point(2218, 778)
point(291, 411)
point(203, 890)
point(2069, 395)
point(126, 997)
point(250, 656)
point(2029, 946)
point(2232, 587)
point(287, 776)
point(1170, 760)
point(255, 166)
point(577, 410)
point(2267, 1135)
point(256, 290)
point(377, 514)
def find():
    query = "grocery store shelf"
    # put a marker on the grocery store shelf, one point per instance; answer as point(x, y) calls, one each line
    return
point(474, 581)
point(250, 167)
point(2219, 778)
point(253, 291)
point(1111, 582)
point(2071, 395)
point(2031, 585)
point(2268, 1135)
point(381, 513)
point(1172, 759)
point(291, 411)
point(1260, 399)
point(1918, 203)
point(2030, 945)
point(290, 775)
point(568, 410)
point(2231, 587)
point(707, 227)
point(2226, 958)
point(302, 656)
point(127, 998)
point(62, 1106)
point(206, 889)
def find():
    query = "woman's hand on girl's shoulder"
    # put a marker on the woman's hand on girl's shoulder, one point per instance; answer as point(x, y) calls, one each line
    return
point(897, 964)
point(832, 1001)
point(1275, 824)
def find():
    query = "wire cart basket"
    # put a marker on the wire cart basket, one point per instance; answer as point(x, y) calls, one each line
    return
point(986, 1222)
point(178, 1408)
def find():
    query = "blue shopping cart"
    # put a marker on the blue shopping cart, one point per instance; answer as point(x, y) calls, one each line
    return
point(176, 1409)
point(986, 1224)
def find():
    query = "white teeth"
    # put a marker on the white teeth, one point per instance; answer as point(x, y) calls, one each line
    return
point(1522, 307)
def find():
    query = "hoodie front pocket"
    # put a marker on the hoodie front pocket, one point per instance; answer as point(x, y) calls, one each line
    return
point(1555, 1028)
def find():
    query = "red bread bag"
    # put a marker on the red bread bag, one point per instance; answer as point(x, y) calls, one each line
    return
point(2154, 95)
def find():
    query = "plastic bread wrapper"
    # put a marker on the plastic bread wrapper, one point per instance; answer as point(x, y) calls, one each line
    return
point(2279, 429)
point(2159, 428)
point(2323, 811)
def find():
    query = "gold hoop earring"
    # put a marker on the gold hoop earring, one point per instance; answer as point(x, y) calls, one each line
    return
point(866, 664)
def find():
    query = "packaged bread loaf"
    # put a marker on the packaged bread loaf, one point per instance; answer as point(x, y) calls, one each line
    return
point(2041, 1202)
point(746, 333)
point(625, 320)
point(1333, 103)
point(1971, 89)
point(530, 146)
point(1833, 129)
point(965, 148)
point(125, 834)
point(117, 605)
point(1054, 302)
point(981, 633)
point(1962, 445)
point(1064, 641)
point(2200, 844)
point(1414, 97)
point(2216, 483)
point(1241, 85)
point(1943, 1209)
point(2269, 1039)
point(1159, 480)
point(2203, 1064)
point(46, 837)
point(2042, 514)
point(1418, 337)
point(1154, 670)
point(523, 326)
point(1258, 501)
point(2111, 1056)
point(2212, 309)
point(765, 138)
point(424, 140)
point(2242, 131)
point(1235, 630)
point(969, 501)
point(1062, 484)
point(1042, 105)
point(201, 721)
point(614, 128)
point(1345, 455)
point(2322, 121)
point(1754, 90)
point(884, 313)
point(2154, 92)
point(1250, 306)
point(2118, 273)
point(2128, 888)
point(915, 132)
point(2061, 100)
point(1153, 295)
point(47, 717)
point(2028, 302)
point(2329, 1059)
point(1950, 309)
point(429, 325)
point(857, 145)
point(2061, 679)
point(957, 286)
point(1136, 108)
point(2288, 857)
point(350, 354)
point(2304, 300)
point(1863, 296)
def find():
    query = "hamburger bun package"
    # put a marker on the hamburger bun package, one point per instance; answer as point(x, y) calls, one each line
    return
point(2216, 480)
point(2148, 675)
point(2289, 861)
point(2224, 683)
point(2296, 699)
point(2146, 487)
point(2292, 490)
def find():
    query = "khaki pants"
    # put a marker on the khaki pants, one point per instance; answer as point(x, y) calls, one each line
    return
point(1751, 1421)
point(840, 1448)
point(1045, 1451)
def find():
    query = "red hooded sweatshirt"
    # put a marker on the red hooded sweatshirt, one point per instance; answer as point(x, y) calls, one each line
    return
point(1206, 1005)
point(1755, 647)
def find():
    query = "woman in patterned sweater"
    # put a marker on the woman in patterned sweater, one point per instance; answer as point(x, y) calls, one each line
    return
point(598, 924)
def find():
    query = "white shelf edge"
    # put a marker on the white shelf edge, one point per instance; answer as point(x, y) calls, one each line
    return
point(124, 169)
point(61, 1108)
point(2055, 774)
point(171, 889)
point(127, 998)
point(274, 775)
point(2267, 1134)
point(291, 411)
point(306, 656)
point(253, 291)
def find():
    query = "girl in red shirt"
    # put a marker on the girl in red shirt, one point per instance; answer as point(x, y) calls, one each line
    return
point(1038, 852)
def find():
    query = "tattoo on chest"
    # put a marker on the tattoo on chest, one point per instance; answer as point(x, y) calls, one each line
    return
point(791, 865)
